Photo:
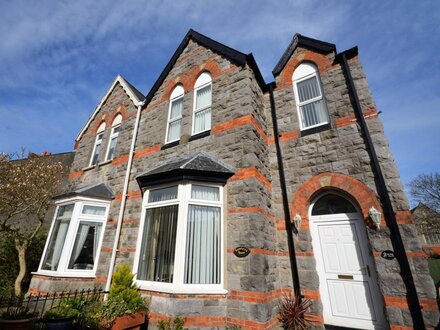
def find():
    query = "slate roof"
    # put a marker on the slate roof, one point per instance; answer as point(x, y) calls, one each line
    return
point(134, 90)
point(99, 191)
point(300, 40)
point(198, 166)
point(233, 55)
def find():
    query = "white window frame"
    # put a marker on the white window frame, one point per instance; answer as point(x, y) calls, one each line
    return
point(183, 200)
point(67, 249)
point(177, 94)
point(98, 141)
point(116, 123)
point(302, 77)
point(200, 84)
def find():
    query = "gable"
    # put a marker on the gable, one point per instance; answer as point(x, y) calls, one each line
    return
point(133, 94)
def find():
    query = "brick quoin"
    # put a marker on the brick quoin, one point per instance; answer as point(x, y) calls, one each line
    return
point(364, 196)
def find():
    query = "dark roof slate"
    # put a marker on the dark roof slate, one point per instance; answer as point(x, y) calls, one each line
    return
point(99, 191)
point(300, 40)
point(233, 55)
point(135, 91)
point(195, 166)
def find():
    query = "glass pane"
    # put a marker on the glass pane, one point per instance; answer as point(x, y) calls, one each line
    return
point(205, 193)
point(308, 89)
point(96, 154)
point(174, 130)
point(202, 120)
point(163, 194)
point(313, 113)
point(156, 261)
point(57, 238)
point(176, 108)
point(93, 210)
point(85, 249)
point(100, 136)
point(332, 204)
point(111, 150)
point(202, 257)
point(116, 129)
point(203, 98)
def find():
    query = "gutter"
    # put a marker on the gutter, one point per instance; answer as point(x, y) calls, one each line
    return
point(287, 219)
point(395, 235)
point(124, 197)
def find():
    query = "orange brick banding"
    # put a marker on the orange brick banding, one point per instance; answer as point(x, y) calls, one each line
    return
point(76, 174)
point(349, 120)
point(404, 217)
point(364, 196)
point(293, 135)
point(263, 251)
point(136, 194)
point(251, 172)
point(311, 294)
point(120, 160)
point(147, 151)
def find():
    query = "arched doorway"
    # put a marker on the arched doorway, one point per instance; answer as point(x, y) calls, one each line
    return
point(347, 276)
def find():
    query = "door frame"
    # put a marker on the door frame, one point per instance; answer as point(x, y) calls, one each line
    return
point(344, 218)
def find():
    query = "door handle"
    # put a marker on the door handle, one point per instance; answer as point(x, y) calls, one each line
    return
point(367, 269)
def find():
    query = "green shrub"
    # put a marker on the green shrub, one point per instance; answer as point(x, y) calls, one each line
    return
point(171, 324)
point(123, 289)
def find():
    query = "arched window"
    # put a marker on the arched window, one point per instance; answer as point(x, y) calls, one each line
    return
point(310, 102)
point(175, 115)
point(202, 103)
point(98, 143)
point(116, 127)
point(332, 204)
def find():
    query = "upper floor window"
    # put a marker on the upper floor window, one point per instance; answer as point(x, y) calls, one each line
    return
point(175, 115)
point(75, 238)
point(309, 97)
point(98, 145)
point(202, 103)
point(180, 248)
point(116, 127)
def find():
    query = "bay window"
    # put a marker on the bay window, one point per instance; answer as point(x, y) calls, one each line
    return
point(202, 103)
point(312, 110)
point(180, 243)
point(75, 238)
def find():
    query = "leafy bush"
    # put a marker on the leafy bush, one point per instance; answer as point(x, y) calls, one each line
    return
point(292, 312)
point(171, 324)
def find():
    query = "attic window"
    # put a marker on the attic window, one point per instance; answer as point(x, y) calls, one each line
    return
point(116, 127)
point(175, 115)
point(312, 110)
point(202, 103)
point(98, 144)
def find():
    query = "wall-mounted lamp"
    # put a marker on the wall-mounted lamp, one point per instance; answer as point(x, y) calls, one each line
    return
point(297, 221)
point(375, 215)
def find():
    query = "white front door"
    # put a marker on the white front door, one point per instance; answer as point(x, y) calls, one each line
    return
point(347, 276)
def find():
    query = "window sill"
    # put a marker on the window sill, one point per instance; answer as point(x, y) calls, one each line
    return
point(200, 135)
point(54, 274)
point(105, 163)
point(315, 129)
point(88, 168)
point(174, 290)
point(170, 145)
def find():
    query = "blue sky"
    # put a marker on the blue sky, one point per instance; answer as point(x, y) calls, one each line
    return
point(58, 58)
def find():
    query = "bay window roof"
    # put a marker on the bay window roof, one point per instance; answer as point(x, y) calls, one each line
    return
point(197, 167)
point(98, 191)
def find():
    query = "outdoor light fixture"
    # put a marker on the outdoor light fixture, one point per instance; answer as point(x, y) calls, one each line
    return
point(297, 221)
point(375, 215)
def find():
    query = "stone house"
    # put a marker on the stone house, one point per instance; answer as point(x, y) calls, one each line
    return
point(224, 193)
point(427, 221)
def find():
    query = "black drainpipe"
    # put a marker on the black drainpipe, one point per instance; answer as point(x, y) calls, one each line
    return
point(293, 265)
point(396, 238)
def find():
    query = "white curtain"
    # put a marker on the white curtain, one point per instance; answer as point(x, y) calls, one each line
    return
point(308, 89)
point(202, 120)
point(312, 113)
point(59, 242)
point(93, 210)
point(202, 261)
point(174, 130)
point(205, 193)
point(81, 236)
point(96, 237)
point(164, 194)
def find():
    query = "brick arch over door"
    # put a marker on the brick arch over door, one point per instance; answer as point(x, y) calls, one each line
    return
point(364, 196)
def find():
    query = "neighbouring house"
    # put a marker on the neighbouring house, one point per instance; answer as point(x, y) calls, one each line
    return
point(427, 221)
point(224, 192)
